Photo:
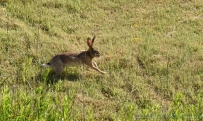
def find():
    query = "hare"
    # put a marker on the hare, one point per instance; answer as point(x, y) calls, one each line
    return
point(62, 60)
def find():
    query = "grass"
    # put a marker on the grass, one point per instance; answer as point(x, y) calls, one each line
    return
point(152, 51)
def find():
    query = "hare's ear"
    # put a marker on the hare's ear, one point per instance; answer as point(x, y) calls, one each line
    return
point(89, 42)
point(93, 39)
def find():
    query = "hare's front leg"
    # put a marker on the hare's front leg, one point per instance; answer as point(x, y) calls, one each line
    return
point(94, 64)
point(95, 67)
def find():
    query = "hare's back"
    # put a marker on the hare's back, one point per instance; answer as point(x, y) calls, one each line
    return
point(66, 59)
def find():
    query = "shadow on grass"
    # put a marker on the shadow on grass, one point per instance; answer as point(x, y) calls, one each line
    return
point(69, 77)
point(50, 78)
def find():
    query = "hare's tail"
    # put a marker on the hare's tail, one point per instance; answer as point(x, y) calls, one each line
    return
point(46, 64)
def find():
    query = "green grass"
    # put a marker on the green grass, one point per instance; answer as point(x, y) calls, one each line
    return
point(152, 51)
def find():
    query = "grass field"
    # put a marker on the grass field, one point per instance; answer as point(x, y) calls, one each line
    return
point(151, 49)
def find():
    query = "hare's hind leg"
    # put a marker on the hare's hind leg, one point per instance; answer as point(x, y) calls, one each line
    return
point(59, 70)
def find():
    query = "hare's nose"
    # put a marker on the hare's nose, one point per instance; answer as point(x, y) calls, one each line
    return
point(97, 54)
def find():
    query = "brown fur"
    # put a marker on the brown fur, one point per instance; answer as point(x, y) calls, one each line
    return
point(62, 60)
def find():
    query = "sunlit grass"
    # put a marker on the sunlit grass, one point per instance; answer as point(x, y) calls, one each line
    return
point(152, 51)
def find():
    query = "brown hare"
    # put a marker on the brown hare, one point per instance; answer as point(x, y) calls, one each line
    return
point(62, 60)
